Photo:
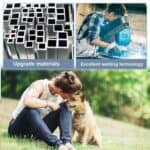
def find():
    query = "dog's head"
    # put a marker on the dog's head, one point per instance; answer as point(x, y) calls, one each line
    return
point(77, 105)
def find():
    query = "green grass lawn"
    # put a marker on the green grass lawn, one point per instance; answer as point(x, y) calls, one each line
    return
point(116, 135)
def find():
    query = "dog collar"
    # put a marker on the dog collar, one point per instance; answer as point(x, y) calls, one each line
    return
point(79, 114)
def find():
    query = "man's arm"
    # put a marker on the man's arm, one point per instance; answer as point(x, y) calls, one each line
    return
point(100, 43)
point(94, 32)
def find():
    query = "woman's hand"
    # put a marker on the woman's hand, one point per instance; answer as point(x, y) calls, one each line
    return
point(53, 106)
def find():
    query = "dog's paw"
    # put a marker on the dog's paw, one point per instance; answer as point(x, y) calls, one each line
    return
point(84, 143)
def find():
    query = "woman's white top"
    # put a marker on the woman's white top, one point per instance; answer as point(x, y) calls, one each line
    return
point(46, 96)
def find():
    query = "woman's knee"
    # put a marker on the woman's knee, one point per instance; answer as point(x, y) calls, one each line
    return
point(64, 111)
point(64, 106)
point(31, 114)
point(31, 111)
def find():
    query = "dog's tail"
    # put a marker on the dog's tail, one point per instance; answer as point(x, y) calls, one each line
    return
point(96, 140)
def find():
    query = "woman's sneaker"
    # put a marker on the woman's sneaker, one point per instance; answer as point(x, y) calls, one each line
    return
point(69, 146)
point(62, 147)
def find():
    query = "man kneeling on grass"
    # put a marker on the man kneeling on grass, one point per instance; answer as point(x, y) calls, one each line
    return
point(42, 109)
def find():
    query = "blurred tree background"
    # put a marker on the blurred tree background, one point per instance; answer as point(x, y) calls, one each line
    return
point(123, 95)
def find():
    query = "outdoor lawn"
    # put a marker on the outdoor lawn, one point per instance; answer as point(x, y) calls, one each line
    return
point(116, 135)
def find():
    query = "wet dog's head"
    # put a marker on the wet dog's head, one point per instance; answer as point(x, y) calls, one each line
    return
point(77, 105)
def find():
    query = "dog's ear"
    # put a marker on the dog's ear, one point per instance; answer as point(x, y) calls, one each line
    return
point(83, 97)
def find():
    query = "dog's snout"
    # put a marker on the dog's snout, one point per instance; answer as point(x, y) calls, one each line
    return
point(71, 106)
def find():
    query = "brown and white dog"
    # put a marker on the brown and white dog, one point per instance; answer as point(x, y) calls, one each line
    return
point(83, 121)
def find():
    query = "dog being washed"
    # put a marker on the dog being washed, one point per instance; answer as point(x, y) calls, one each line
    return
point(83, 121)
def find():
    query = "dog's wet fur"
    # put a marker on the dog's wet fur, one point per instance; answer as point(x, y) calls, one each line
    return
point(83, 121)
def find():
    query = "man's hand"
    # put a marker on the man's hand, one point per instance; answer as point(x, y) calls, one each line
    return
point(100, 43)
point(53, 106)
point(111, 46)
